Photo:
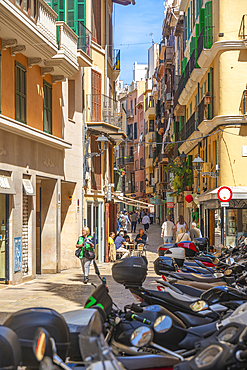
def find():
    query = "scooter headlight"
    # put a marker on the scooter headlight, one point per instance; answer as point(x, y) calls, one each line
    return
point(141, 336)
point(208, 356)
point(227, 334)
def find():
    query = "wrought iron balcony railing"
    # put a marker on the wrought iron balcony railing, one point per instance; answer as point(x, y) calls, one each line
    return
point(84, 41)
point(101, 108)
point(188, 128)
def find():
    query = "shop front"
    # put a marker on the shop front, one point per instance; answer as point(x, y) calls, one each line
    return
point(224, 225)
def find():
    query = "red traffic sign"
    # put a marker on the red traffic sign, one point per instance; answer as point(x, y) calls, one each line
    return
point(224, 194)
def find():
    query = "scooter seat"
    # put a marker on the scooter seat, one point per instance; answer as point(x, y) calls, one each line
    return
point(148, 361)
point(186, 289)
point(194, 335)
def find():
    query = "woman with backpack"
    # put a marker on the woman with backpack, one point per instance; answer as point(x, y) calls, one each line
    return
point(85, 243)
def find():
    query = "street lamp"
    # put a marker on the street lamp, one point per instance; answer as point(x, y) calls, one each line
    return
point(100, 140)
point(198, 160)
point(183, 156)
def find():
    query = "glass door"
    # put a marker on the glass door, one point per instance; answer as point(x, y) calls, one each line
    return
point(3, 236)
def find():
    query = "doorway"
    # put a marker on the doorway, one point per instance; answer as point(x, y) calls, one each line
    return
point(4, 237)
point(95, 224)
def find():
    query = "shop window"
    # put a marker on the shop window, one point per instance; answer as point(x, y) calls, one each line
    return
point(20, 92)
point(47, 107)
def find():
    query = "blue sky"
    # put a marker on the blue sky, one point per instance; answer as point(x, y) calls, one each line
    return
point(133, 25)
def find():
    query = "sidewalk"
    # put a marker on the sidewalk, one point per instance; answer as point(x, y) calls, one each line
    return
point(65, 291)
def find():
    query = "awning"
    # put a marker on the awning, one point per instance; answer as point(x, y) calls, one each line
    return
point(6, 185)
point(122, 2)
point(137, 203)
point(238, 192)
point(28, 187)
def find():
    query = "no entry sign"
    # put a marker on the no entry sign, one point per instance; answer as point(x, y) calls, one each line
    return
point(224, 194)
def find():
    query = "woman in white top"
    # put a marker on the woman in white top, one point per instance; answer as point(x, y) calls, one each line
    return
point(181, 223)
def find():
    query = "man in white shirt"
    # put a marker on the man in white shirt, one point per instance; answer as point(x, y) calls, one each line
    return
point(167, 230)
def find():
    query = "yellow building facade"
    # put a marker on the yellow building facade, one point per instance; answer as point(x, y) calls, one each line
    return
point(211, 96)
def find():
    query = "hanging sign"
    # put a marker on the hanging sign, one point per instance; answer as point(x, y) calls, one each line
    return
point(224, 194)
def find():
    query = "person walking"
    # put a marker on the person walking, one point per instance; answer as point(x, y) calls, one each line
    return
point(181, 223)
point(182, 236)
point(119, 242)
point(167, 230)
point(139, 217)
point(133, 219)
point(112, 247)
point(86, 244)
point(126, 221)
point(146, 222)
point(195, 232)
point(151, 218)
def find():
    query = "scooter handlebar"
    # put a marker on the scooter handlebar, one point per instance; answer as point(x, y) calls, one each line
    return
point(132, 316)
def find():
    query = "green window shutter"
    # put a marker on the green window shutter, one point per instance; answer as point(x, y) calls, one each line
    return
point(20, 92)
point(208, 25)
point(201, 19)
point(185, 31)
point(193, 12)
point(192, 45)
point(47, 107)
point(71, 18)
point(61, 10)
point(189, 160)
point(188, 23)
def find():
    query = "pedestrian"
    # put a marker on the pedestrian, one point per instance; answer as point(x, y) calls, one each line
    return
point(195, 232)
point(181, 223)
point(86, 244)
point(142, 214)
point(112, 247)
point(141, 237)
point(182, 235)
point(151, 218)
point(126, 221)
point(139, 217)
point(119, 243)
point(133, 219)
point(146, 222)
point(167, 230)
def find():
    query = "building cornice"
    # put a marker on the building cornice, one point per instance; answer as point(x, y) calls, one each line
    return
point(28, 132)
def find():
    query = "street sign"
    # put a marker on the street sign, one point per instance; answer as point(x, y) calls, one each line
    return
point(170, 204)
point(224, 194)
point(224, 204)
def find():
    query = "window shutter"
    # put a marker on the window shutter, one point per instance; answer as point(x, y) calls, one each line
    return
point(193, 13)
point(185, 34)
point(201, 19)
point(96, 21)
point(188, 23)
point(95, 166)
point(208, 24)
point(71, 14)
point(192, 45)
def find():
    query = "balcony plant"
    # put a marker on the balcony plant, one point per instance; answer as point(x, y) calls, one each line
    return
point(182, 175)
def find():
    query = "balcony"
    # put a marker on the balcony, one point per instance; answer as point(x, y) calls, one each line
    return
point(65, 61)
point(130, 113)
point(102, 113)
point(168, 60)
point(84, 43)
point(188, 128)
point(29, 32)
point(168, 101)
point(161, 67)
point(205, 125)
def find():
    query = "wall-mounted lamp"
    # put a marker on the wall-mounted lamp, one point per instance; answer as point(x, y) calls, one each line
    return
point(198, 161)
point(100, 140)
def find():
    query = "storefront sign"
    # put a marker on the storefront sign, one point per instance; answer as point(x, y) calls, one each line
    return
point(224, 204)
point(153, 201)
point(17, 254)
point(170, 204)
point(28, 187)
point(224, 194)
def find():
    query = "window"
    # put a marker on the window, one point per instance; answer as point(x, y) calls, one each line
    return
point(201, 92)
point(130, 131)
point(96, 21)
point(190, 109)
point(141, 186)
point(71, 99)
point(131, 107)
point(142, 165)
point(20, 92)
point(187, 114)
point(135, 106)
point(137, 187)
point(136, 165)
point(151, 125)
point(135, 130)
point(28, 6)
point(96, 96)
point(95, 165)
point(205, 87)
point(132, 151)
point(47, 107)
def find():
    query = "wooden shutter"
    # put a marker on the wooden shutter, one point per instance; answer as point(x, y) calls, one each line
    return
point(208, 25)
point(96, 96)
point(201, 19)
point(96, 21)
point(185, 34)
point(71, 14)
point(110, 35)
point(95, 166)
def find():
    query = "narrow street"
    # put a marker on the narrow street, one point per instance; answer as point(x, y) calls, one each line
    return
point(65, 291)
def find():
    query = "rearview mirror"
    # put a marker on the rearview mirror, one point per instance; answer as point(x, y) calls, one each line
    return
point(227, 272)
point(141, 336)
point(162, 324)
point(230, 261)
point(199, 306)
point(41, 344)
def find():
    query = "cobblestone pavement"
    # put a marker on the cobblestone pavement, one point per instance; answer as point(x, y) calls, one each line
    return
point(65, 291)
